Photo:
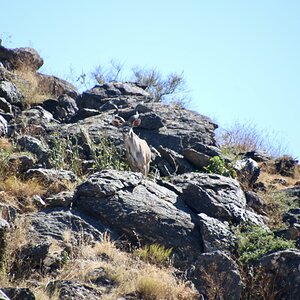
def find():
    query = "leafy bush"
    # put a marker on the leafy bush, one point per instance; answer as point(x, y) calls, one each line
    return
point(253, 242)
point(160, 88)
point(218, 165)
point(64, 154)
point(154, 254)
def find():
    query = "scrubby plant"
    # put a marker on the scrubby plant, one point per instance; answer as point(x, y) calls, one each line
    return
point(154, 253)
point(169, 88)
point(241, 137)
point(64, 154)
point(159, 87)
point(276, 204)
point(219, 166)
point(106, 154)
point(254, 241)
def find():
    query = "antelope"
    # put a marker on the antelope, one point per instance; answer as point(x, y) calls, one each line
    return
point(138, 152)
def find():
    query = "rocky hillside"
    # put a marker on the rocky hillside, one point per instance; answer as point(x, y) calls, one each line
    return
point(77, 223)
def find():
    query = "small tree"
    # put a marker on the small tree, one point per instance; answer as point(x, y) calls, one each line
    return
point(110, 73)
point(160, 87)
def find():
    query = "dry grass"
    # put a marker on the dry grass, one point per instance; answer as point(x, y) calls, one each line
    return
point(22, 189)
point(129, 274)
point(18, 193)
point(17, 237)
point(5, 144)
point(244, 137)
point(276, 204)
point(272, 179)
point(28, 84)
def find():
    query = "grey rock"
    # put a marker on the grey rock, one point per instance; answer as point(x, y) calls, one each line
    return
point(62, 199)
point(23, 161)
point(293, 192)
point(291, 233)
point(286, 166)
point(136, 207)
point(100, 94)
point(216, 235)
point(11, 94)
point(19, 293)
point(55, 223)
point(170, 162)
point(254, 202)
point(292, 216)
point(281, 271)
point(247, 171)
point(36, 147)
point(67, 289)
point(36, 120)
point(217, 275)
point(198, 159)
point(5, 106)
point(215, 195)
point(62, 109)
point(210, 150)
point(83, 113)
point(54, 86)
point(8, 212)
point(29, 257)
point(150, 121)
point(49, 176)
point(257, 156)
point(68, 105)
point(3, 126)
point(3, 296)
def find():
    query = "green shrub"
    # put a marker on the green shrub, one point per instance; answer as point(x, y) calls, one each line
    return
point(64, 154)
point(154, 253)
point(253, 242)
point(218, 165)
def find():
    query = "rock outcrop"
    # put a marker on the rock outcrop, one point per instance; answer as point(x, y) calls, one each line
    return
point(67, 144)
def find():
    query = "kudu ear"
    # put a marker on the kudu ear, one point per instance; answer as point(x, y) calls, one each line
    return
point(136, 122)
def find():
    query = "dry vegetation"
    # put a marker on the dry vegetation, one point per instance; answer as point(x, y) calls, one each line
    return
point(29, 85)
point(244, 137)
point(126, 273)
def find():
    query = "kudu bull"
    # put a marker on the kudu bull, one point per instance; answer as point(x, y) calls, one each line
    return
point(138, 152)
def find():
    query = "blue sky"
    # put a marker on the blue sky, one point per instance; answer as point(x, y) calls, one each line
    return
point(241, 59)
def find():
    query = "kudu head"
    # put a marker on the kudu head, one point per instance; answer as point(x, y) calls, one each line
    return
point(138, 152)
point(126, 126)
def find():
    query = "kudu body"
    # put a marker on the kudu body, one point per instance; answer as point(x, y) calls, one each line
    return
point(138, 152)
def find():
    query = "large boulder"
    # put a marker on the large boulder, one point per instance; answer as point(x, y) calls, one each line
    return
point(26, 59)
point(50, 176)
point(140, 208)
point(54, 86)
point(36, 147)
point(279, 272)
point(62, 109)
point(216, 275)
point(118, 92)
point(216, 235)
point(217, 196)
point(67, 289)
